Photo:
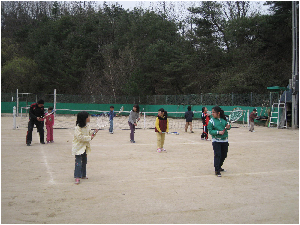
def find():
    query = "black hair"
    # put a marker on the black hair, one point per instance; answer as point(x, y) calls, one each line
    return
point(219, 110)
point(137, 108)
point(189, 108)
point(41, 101)
point(165, 114)
point(112, 107)
point(203, 109)
point(161, 109)
point(50, 108)
point(81, 118)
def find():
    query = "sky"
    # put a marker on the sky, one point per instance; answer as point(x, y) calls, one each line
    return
point(146, 4)
point(179, 8)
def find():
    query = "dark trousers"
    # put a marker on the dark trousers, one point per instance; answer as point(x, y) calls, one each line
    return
point(205, 133)
point(40, 128)
point(132, 129)
point(220, 154)
point(80, 165)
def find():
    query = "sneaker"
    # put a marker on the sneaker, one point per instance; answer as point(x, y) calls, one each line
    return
point(132, 141)
point(208, 139)
point(202, 138)
point(28, 144)
point(158, 150)
point(77, 181)
point(218, 174)
point(192, 131)
point(222, 170)
point(164, 150)
point(42, 143)
point(48, 142)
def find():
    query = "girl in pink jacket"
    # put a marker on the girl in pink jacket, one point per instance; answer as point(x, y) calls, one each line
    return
point(49, 125)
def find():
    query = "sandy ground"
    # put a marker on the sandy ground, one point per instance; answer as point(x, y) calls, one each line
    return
point(132, 183)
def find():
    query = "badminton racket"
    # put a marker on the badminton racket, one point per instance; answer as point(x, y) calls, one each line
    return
point(48, 114)
point(235, 114)
point(102, 120)
point(121, 109)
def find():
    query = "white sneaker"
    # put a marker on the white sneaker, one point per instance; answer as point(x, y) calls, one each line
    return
point(158, 150)
point(164, 150)
point(208, 139)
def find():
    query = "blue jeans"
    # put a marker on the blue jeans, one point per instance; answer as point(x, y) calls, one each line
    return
point(111, 127)
point(80, 165)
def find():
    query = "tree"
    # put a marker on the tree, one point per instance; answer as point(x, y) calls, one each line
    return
point(21, 73)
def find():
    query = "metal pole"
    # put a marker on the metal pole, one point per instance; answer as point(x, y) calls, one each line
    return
point(248, 121)
point(54, 102)
point(17, 102)
point(144, 120)
point(295, 66)
point(14, 116)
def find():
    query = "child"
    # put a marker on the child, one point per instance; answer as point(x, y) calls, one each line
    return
point(205, 120)
point(81, 145)
point(49, 125)
point(217, 127)
point(111, 115)
point(251, 118)
point(132, 121)
point(161, 128)
point(189, 118)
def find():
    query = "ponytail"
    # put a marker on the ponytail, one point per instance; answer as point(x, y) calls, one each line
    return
point(222, 115)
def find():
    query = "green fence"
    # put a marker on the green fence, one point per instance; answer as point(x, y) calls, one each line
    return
point(174, 110)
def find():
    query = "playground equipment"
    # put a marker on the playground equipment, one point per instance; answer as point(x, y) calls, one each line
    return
point(278, 115)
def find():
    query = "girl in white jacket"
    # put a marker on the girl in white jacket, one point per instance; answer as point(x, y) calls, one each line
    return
point(81, 145)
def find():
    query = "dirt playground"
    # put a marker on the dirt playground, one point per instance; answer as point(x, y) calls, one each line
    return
point(133, 184)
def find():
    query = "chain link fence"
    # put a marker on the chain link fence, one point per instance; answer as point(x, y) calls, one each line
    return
point(247, 99)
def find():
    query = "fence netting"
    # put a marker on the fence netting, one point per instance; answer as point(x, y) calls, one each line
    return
point(233, 99)
point(177, 121)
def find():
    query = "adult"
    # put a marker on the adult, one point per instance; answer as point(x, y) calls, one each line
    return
point(36, 116)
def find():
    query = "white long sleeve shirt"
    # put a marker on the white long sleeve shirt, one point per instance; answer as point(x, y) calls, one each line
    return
point(81, 140)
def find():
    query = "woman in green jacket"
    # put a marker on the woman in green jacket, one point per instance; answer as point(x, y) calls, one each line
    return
point(217, 128)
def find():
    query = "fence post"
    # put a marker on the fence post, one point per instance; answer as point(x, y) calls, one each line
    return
point(54, 102)
point(248, 122)
point(144, 120)
point(14, 117)
point(17, 102)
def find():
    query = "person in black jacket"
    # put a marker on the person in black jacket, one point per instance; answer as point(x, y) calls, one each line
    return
point(36, 116)
point(189, 118)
